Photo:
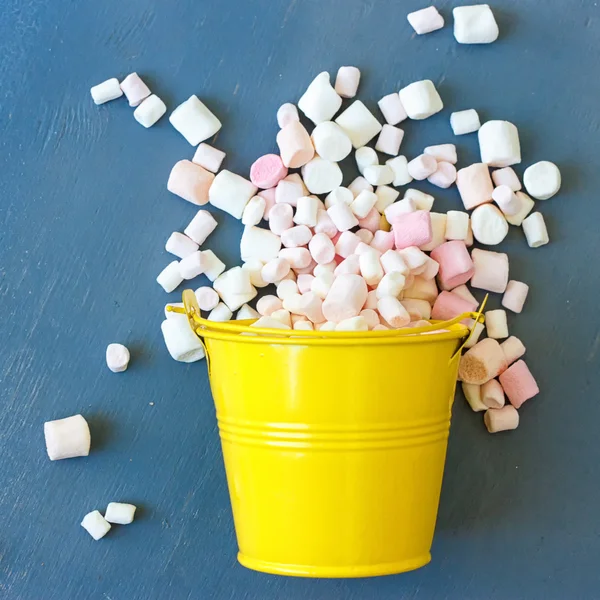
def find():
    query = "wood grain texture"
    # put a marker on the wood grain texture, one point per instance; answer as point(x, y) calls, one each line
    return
point(84, 214)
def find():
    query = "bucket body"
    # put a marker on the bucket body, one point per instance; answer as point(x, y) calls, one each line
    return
point(334, 449)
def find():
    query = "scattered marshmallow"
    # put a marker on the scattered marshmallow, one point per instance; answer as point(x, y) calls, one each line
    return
point(391, 284)
point(379, 175)
point(508, 177)
point(325, 224)
point(190, 182)
point(365, 157)
point(497, 327)
point(448, 305)
point(518, 383)
point(359, 124)
point(393, 312)
point(286, 288)
point(464, 121)
point(339, 195)
point(513, 349)
point(422, 201)
point(507, 200)
point(371, 317)
point(213, 266)
point(288, 192)
point(275, 270)
point(363, 203)
point(472, 394)
point(542, 180)
point(298, 258)
point(194, 121)
point(170, 277)
point(234, 288)
point(286, 114)
point(527, 205)
point(499, 144)
point(391, 108)
point(455, 264)
point(192, 265)
point(366, 236)
point(106, 91)
point(515, 295)
point(370, 267)
point(67, 438)
point(412, 229)
point(475, 24)
point(463, 292)
point(298, 236)
point(457, 225)
point(417, 309)
point(321, 176)
point(422, 166)
point(320, 102)
point(382, 241)
point(399, 167)
point(474, 185)
point(491, 270)
point(386, 196)
point(267, 171)
point(358, 185)
point(389, 140)
point(95, 524)
point(180, 245)
point(295, 145)
point(488, 224)
point(484, 361)
point(220, 314)
point(117, 358)
point(304, 282)
point(259, 243)
point(420, 99)
point(207, 298)
point(346, 81)
point(501, 419)
point(254, 211)
point(120, 513)
point(425, 20)
point(306, 211)
point(231, 192)
point(281, 218)
point(345, 298)
point(135, 89)
point(444, 175)
point(342, 217)
point(392, 261)
point(330, 141)
point(438, 231)
point(534, 228)
point(150, 111)
point(442, 152)
point(200, 227)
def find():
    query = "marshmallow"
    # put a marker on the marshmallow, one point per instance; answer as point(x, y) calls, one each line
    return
point(484, 361)
point(421, 289)
point(390, 284)
point(304, 282)
point(499, 144)
point(464, 121)
point(392, 311)
point(389, 140)
point(438, 231)
point(288, 192)
point(392, 261)
point(430, 269)
point(421, 200)
point(320, 102)
point(106, 91)
point(339, 195)
point(269, 196)
point(507, 200)
point(180, 245)
point(208, 157)
point(497, 327)
point(417, 309)
point(463, 292)
point(412, 229)
point(254, 211)
point(295, 145)
point(220, 314)
point(325, 224)
point(190, 182)
point(149, 111)
point(489, 225)
point(267, 171)
point(474, 185)
point(442, 153)
point(207, 298)
point(321, 249)
point(379, 175)
point(194, 121)
point(342, 216)
point(135, 89)
point(349, 266)
point(372, 221)
point(327, 326)
point(534, 228)
point(363, 203)
point(456, 266)
point(425, 20)
point(414, 258)
point(269, 323)
point(358, 185)
point(386, 196)
point(469, 241)
point(422, 166)
point(345, 299)
point(380, 327)
point(382, 241)
point(420, 99)
point(234, 288)
point(371, 301)
point(370, 267)
point(117, 358)
point(508, 177)
point(331, 142)
point(170, 277)
point(399, 167)
point(259, 243)
point(311, 306)
point(321, 176)
point(67, 438)
point(391, 108)
point(457, 225)
point(515, 295)
point(473, 338)
point(501, 419)
point(346, 82)
point(298, 258)
point(353, 324)
point(472, 394)
point(192, 265)
point(448, 305)
point(491, 270)
point(303, 325)
point(474, 24)
point(359, 124)
point(286, 114)
point(286, 288)
point(371, 317)
point(213, 267)
point(399, 208)
point(364, 235)
point(365, 157)
point(518, 383)
point(542, 180)
point(120, 513)
point(182, 343)
point(526, 207)
point(444, 175)
point(513, 349)
point(321, 284)
point(296, 237)
point(275, 270)
point(281, 218)
point(267, 305)
point(307, 208)
point(95, 524)
point(231, 192)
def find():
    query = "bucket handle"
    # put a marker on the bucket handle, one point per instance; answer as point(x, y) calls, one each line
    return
point(477, 318)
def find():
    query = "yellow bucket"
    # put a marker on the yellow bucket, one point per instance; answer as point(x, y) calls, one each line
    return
point(333, 471)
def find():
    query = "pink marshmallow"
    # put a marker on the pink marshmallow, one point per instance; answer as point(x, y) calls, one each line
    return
point(321, 249)
point(506, 176)
point(348, 266)
point(501, 419)
point(304, 282)
point(455, 264)
point(506, 200)
point(464, 292)
point(267, 171)
point(392, 311)
point(191, 182)
point(491, 270)
point(389, 140)
point(294, 237)
point(325, 224)
point(484, 361)
point(492, 394)
point(208, 157)
point(513, 349)
point(383, 241)
point(371, 221)
point(515, 295)
point(422, 167)
point(412, 229)
point(346, 81)
point(275, 270)
point(299, 258)
point(341, 215)
point(518, 383)
point(288, 192)
point(346, 244)
point(281, 218)
point(295, 145)
point(267, 305)
point(345, 299)
point(135, 89)
point(444, 176)
point(449, 305)
point(269, 198)
point(391, 108)
point(474, 185)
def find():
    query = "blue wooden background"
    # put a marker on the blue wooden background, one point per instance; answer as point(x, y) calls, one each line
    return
point(84, 216)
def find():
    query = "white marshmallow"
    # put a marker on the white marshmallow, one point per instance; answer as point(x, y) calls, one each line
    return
point(391, 108)
point(275, 270)
point(442, 153)
point(507, 200)
point(306, 211)
point(120, 513)
point(270, 323)
point(286, 288)
point(422, 166)
point(170, 277)
point(200, 227)
point(444, 176)
point(425, 20)
point(149, 111)
point(288, 192)
point(106, 91)
point(475, 335)
point(370, 267)
point(359, 124)
point(321, 176)
point(298, 258)
point(283, 316)
point(320, 102)
point(488, 224)
point(298, 236)
point(464, 292)
point(234, 288)
point(391, 284)
point(475, 24)
point(392, 311)
point(399, 167)
point(303, 325)
point(422, 201)
point(385, 197)
point(389, 140)
point(181, 342)
point(358, 185)
point(506, 176)
point(526, 204)
point(213, 267)
point(497, 326)
point(363, 203)
point(96, 525)
point(346, 82)
point(207, 298)
point(499, 144)
point(220, 313)
point(331, 142)
point(542, 180)
point(117, 357)
point(339, 195)
point(534, 228)
point(194, 121)
point(287, 113)
point(379, 175)
point(464, 121)
point(420, 99)
point(353, 324)
point(365, 157)
point(231, 192)
point(259, 243)
point(208, 157)
point(392, 261)
point(134, 89)
point(246, 313)
point(346, 298)
point(472, 393)
point(180, 245)
point(254, 211)
point(438, 228)
point(67, 438)
point(342, 216)
point(321, 284)
point(327, 326)
point(192, 265)
point(457, 225)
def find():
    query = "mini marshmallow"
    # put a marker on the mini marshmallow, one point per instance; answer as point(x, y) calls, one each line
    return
point(200, 227)
point(271, 322)
point(518, 383)
point(254, 211)
point(455, 264)
point(298, 258)
point(463, 292)
point(231, 192)
point(515, 295)
point(542, 180)
point(470, 240)
point(365, 157)
point(464, 121)
point(220, 313)
point(379, 175)
point(534, 228)
point(527, 205)
point(386, 196)
point(207, 298)
point(412, 229)
point(430, 269)
point(491, 270)
point(506, 199)
point(492, 394)
point(389, 140)
point(275, 270)
point(513, 349)
point(180, 245)
point(417, 309)
point(501, 419)
point(499, 144)
point(267, 305)
point(420, 99)
point(295, 145)
point(321, 176)
point(497, 327)
point(363, 203)
point(346, 81)
point(327, 326)
point(106, 91)
point(288, 192)
point(170, 277)
point(422, 166)
point(353, 324)
point(303, 325)
point(267, 171)
point(474, 185)
point(149, 111)
point(365, 235)
point(438, 231)
point(358, 185)
point(442, 153)
point(372, 221)
point(321, 284)
point(444, 175)
point(371, 301)
point(363, 248)
point(182, 343)
point(311, 306)
point(194, 121)
point(234, 288)
point(190, 182)
point(325, 224)
point(320, 102)
point(391, 108)
point(117, 357)
point(425, 20)
point(359, 124)
point(474, 24)
point(95, 524)
point(254, 268)
point(342, 216)
point(392, 311)
point(421, 200)
point(67, 438)
point(331, 142)
point(304, 282)
point(296, 237)
point(345, 299)
point(415, 259)
point(192, 265)
point(321, 249)
point(349, 266)
point(383, 241)
point(484, 361)
point(390, 284)
point(392, 261)
point(213, 267)
point(371, 317)
point(448, 305)
point(259, 243)
point(370, 267)
point(472, 394)
point(286, 114)
point(120, 513)
point(476, 332)
point(208, 157)
point(489, 225)
point(339, 195)
point(286, 288)
point(421, 289)
point(306, 211)
point(134, 89)
point(507, 177)
point(457, 225)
